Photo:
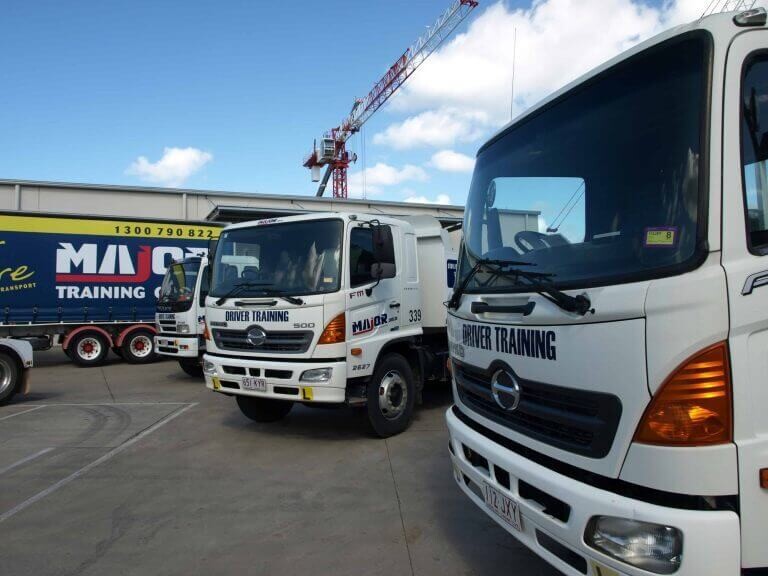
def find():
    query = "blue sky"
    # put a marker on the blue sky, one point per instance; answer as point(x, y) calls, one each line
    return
point(89, 87)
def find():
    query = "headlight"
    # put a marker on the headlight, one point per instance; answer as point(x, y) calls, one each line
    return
point(647, 546)
point(209, 368)
point(182, 328)
point(317, 375)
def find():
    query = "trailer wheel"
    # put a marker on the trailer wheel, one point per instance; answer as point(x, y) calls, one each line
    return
point(192, 366)
point(391, 396)
point(138, 347)
point(9, 377)
point(264, 409)
point(88, 349)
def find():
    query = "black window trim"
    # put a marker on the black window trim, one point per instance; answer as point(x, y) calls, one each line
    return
point(701, 250)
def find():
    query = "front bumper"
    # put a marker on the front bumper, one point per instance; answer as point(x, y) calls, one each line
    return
point(710, 538)
point(283, 379)
point(178, 346)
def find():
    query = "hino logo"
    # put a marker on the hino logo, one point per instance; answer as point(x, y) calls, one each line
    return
point(506, 390)
point(256, 337)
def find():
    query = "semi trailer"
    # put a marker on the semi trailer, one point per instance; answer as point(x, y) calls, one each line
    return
point(89, 284)
point(180, 318)
point(329, 309)
point(609, 369)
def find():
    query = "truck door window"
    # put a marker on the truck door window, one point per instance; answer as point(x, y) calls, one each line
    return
point(360, 256)
point(204, 285)
point(754, 150)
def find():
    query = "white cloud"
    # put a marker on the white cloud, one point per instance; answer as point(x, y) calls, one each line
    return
point(440, 199)
point(463, 91)
point(450, 161)
point(382, 175)
point(173, 169)
point(441, 127)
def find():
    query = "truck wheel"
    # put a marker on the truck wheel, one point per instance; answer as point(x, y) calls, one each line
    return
point(138, 347)
point(88, 349)
point(9, 377)
point(191, 366)
point(263, 409)
point(391, 396)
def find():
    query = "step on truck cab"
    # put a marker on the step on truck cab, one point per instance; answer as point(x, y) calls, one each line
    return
point(180, 317)
point(610, 370)
point(328, 309)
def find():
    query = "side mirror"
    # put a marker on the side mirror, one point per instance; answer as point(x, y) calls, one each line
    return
point(383, 245)
point(382, 271)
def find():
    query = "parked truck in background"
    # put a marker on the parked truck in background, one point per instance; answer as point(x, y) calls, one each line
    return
point(610, 369)
point(89, 284)
point(15, 364)
point(180, 317)
point(329, 309)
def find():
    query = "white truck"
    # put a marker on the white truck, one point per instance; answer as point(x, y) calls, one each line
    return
point(15, 364)
point(329, 309)
point(610, 371)
point(180, 316)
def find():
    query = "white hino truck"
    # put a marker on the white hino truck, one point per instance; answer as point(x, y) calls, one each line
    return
point(180, 316)
point(610, 370)
point(327, 309)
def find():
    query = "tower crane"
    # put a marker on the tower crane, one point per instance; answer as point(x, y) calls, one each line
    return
point(332, 150)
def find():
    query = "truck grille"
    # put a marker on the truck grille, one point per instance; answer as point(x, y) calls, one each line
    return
point(278, 342)
point(576, 420)
point(167, 325)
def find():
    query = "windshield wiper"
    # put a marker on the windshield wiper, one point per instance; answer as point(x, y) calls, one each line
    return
point(539, 283)
point(277, 294)
point(237, 288)
point(458, 292)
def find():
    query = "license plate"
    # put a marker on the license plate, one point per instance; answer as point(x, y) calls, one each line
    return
point(600, 570)
point(254, 384)
point(505, 508)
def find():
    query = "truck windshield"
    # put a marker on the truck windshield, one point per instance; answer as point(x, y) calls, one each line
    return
point(604, 184)
point(179, 283)
point(292, 258)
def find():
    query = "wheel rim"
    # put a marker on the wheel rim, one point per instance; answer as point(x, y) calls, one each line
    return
point(393, 395)
point(141, 346)
point(5, 376)
point(89, 348)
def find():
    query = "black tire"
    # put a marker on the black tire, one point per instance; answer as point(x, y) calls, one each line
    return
point(264, 409)
point(117, 351)
point(88, 349)
point(139, 347)
point(10, 377)
point(192, 366)
point(391, 396)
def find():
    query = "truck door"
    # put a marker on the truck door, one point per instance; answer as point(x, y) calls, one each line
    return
point(374, 308)
point(745, 259)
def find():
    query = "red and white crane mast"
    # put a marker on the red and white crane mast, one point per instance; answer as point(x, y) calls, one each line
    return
point(332, 151)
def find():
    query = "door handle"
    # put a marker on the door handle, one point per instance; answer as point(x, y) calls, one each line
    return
point(754, 281)
point(395, 305)
point(481, 307)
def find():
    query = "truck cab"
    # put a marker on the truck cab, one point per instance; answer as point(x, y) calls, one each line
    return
point(329, 309)
point(610, 368)
point(180, 316)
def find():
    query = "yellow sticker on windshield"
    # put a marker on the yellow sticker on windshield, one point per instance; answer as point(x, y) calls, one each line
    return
point(660, 237)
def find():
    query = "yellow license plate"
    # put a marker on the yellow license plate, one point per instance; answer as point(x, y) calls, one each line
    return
point(216, 384)
point(600, 570)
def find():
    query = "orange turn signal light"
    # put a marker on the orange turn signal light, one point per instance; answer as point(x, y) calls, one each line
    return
point(206, 332)
point(764, 478)
point(693, 406)
point(356, 351)
point(335, 332)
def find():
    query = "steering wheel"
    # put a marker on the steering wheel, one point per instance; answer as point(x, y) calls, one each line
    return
point(528, 240)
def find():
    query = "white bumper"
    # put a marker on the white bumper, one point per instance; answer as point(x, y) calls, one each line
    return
point(283, 379)
point(177, 346)
point(710, 539)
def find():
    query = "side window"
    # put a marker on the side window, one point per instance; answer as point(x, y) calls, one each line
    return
point(754, 149)
point(361, 256)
